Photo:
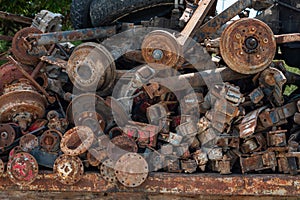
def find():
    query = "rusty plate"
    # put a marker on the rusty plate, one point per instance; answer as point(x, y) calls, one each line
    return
point(77, 140)
point(161, 50)
point(23, 52)
point(69, 169)
point(248, 46)
point(96, 156)
point(91, 67)
point(131, 170)
point(107, 171)
point(121, 145)
point(22, 169)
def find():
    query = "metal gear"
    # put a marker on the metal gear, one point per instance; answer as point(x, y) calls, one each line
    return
point(248, 46)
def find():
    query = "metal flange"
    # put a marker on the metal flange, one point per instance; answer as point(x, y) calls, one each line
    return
point(69, 169)
point(28, 142)
point(50, 140)
point(248, 46)
point(161, 50)
point(131, 170)
point(77, 140)
point(107, 171)
point(22, 168)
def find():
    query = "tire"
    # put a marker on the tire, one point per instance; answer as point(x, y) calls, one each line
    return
point(104, 12)
point(80, 14)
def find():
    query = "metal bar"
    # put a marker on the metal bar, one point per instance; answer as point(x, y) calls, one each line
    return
point(170, 183)
point(196, 20)
point(69, 36)
point(288, 6)
point(214, 24)
point(285, 38)
point(14, 17)
point(199, 79)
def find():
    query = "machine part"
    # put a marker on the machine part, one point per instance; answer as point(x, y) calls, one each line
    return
point(22, 104)
point(7, 136)
point(228, 141)
point(191, 103)
point(9, 74)
point(277, 116)
point(28, 142)
point(188, 166)
point(91, 119)
point(23, 51)
point(286, 38)
point(69, 169)
point(50, 140)
point(161, 50)
point(145, 134)
point(272, 81)
point(131, 170)
point(91, 67)
point(258, 162)
point(32, 81)
point(174, 139)
point(249, 123)
point(156, 112)
point(248, 46)
point(96, 156)
point(107, 171)
point(276, 138)
point(47, 21)
point(201, 159)
point(121, 145)
point(1, 167)
point(254, 143)
point(223, 166)
point(256, 95)
point(38, 39)
point(55, 61)
point(77, 140)
point(22, 169)
point(172, 164)
point(88, 103)
point(55, 122)
point(215, 153)
point(187, 129)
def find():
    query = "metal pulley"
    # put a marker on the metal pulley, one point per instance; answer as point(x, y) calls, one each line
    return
point(248, 46)
point(91, 67)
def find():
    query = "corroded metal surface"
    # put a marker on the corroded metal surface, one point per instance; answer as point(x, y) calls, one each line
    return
point(77, 140)
point(21, 49)
point(22, 168)
point(248, 46)
point(69, 169)
point(160, 49)
point(91, 67)
point(131, 170)
point(175, 184)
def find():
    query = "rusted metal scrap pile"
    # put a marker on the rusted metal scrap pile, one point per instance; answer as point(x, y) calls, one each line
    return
point(69, 109)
